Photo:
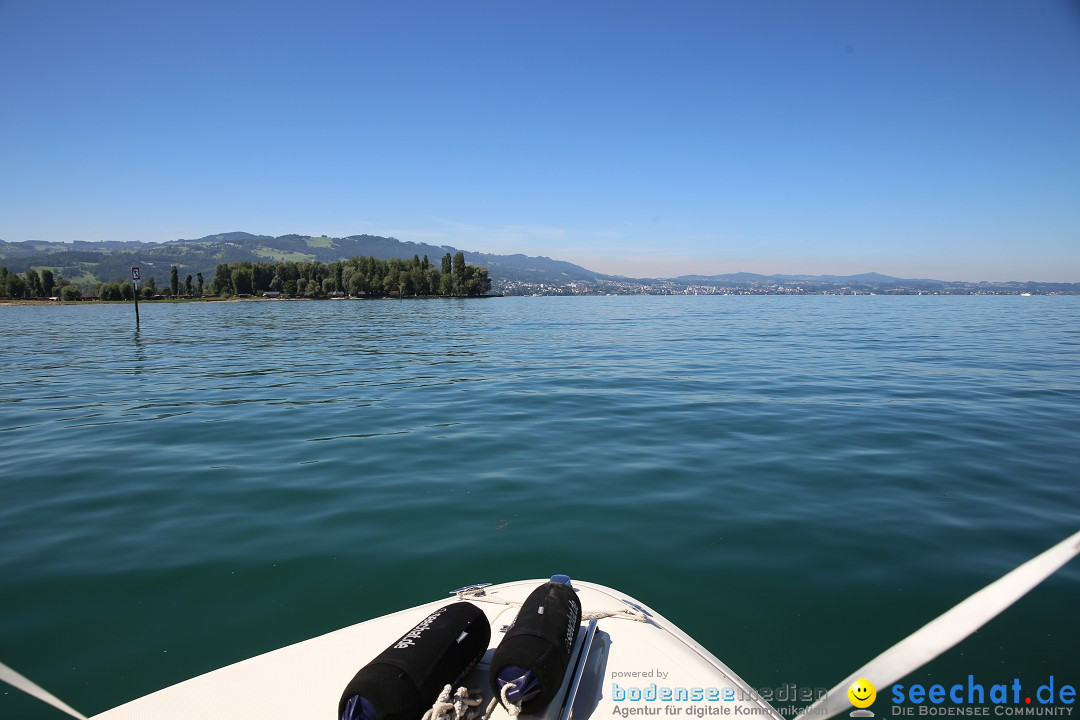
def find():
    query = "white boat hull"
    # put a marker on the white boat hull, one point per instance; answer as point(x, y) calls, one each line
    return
point(652, 663)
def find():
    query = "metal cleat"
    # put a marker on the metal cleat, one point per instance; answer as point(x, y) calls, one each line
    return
point(470, 591)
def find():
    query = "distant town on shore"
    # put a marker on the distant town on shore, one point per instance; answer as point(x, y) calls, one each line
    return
point(317, 265)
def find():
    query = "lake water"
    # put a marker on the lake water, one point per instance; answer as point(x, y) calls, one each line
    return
point(798, 482)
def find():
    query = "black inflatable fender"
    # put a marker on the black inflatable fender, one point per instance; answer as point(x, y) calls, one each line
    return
point(405, 679)
point(540, 642)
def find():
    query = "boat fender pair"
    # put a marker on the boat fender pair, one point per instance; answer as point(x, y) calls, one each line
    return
point(407, 677)
point(531, 661)
point(528, 665)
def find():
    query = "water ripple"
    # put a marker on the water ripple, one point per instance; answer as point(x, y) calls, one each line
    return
point(305, 465)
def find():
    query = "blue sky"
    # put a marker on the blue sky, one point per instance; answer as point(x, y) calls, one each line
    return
point(920, 139)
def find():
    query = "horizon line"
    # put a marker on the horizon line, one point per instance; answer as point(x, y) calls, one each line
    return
point(785, 275)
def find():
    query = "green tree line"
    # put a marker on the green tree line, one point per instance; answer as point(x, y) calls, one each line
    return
point(358, 276)
point(32, 284)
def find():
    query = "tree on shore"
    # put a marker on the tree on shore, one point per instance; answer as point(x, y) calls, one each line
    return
point(199, 279)
point(13, 284)
point(174, 281)
point(33, 283)
point(446, 284)
point(110, 291)
point(459, 273)
point(221, 284)
point(187, 284)
point(243, 280)
point(48, 282)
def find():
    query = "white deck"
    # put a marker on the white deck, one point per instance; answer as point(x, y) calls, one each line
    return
point(305, 680)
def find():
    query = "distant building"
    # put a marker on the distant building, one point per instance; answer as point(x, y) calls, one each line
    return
point(271, 294)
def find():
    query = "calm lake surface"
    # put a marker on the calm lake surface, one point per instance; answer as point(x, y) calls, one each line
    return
point(798, 482)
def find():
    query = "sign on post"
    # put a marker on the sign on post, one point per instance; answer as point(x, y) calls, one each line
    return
point(135, 285)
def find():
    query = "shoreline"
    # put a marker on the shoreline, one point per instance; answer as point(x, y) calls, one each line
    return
point(176, 301)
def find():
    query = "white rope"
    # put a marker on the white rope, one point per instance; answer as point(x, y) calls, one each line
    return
point(626, 614)
point(511, 708)
point(455, 705)
point(463, 704)
point(947, 630)
point(32, 689)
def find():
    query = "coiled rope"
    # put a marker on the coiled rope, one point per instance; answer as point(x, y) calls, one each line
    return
point(464, 704)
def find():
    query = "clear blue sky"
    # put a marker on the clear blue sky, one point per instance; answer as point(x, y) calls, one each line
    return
point(920, 139)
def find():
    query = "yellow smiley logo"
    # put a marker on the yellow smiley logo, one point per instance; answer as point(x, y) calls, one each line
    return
point(862, 693)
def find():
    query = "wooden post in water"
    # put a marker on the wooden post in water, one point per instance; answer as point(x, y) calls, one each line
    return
point(135, 284)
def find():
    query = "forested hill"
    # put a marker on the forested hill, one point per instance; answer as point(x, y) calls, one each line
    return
point(95, 262)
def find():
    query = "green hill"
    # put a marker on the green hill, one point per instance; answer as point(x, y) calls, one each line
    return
point(89, 262)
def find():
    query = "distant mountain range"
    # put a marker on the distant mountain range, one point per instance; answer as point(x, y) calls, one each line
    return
point(86, 263)
point(868, 282)
point(746, 277)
